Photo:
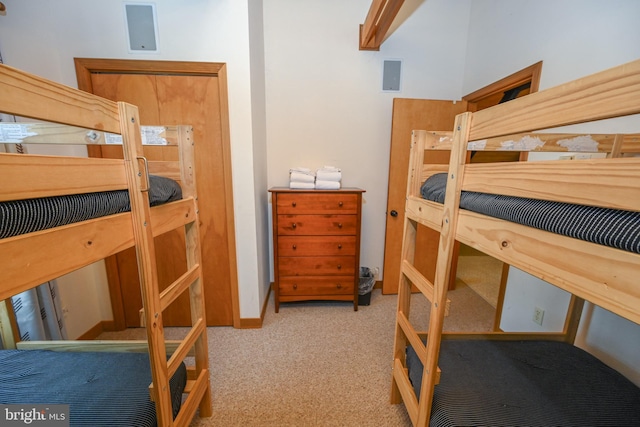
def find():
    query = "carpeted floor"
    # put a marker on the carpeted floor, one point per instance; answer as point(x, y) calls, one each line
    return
point(317, 363)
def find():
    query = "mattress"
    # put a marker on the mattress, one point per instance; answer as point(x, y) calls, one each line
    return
point(101, 389)
point(532, 383)
point(614, 228)
point(26, 216)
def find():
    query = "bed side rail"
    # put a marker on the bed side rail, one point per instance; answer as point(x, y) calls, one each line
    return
point(611, 93)
point(26, 95)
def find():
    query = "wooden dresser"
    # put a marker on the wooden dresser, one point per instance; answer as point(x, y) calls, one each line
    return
point(316, 244)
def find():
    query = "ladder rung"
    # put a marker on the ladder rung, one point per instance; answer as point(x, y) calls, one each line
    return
point(412, 336)
point(401, 377)
point(197, 389)
point(183, 349)
point(176, 289)
point(419, 281)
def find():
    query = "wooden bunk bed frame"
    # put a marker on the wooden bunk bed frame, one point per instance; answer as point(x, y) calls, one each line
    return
point(582, 268)
point(27, 261)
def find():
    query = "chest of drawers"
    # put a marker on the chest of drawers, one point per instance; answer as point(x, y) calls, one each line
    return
point(316, 244)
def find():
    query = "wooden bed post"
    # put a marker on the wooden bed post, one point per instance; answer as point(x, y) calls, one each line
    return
point(139, 198)
point(443, 266)
point(408, 254)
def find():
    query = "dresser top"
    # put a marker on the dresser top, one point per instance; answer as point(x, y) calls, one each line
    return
point(312, 190)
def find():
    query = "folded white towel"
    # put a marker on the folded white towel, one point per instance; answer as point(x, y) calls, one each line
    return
point(331, 168)
point(325, 175)
point(301, 177)
point(305, 171)
point(327, 185)
point(301, 185)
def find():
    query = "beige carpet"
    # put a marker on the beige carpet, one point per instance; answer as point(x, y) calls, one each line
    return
point(317, 363)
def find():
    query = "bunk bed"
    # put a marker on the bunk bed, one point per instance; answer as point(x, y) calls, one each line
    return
point(150, 382)
point(504, 378)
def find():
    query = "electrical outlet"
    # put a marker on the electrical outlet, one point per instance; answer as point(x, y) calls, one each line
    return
point(538, 314)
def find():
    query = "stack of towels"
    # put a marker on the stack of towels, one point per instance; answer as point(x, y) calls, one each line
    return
point(326, 178)
point(302, 178)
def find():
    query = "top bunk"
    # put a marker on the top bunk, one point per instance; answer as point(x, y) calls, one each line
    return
point(522, 208)
point(36, 187)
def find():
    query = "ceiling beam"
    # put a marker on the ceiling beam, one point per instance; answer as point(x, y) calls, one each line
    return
point(379, 19)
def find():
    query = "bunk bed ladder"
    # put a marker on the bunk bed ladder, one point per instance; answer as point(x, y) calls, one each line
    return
point(154, 302)
point(436, 293)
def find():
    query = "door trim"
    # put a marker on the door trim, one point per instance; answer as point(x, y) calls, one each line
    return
point(86, 66)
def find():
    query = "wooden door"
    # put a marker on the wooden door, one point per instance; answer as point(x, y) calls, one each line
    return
point(410, 114)
point(170, 93)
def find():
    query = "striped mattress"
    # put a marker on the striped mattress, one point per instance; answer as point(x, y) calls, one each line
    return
point(102, 389)
point(526, 383)
point(615, 228)
point(26, 216)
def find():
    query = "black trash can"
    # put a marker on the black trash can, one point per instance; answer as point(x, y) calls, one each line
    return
point(367, 281)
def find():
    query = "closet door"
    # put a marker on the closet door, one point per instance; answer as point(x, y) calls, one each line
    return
point(169, 93)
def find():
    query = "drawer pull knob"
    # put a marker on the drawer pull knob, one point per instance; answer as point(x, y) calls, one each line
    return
point(339, 245)
point(294, 225)
point(340, 204)
point(295, 286)
point(294, 247)
point(339, 266)
point(340, 225)
point(339, 286)
point(293, 204)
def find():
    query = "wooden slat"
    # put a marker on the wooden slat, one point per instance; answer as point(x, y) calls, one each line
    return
point(559, 260)
point(26, 177)
point(185, 347)
point(587, 182)
point(26, 95)
point(175, 289)
point(412, 335)
point(418, 280)
point(611, 93)
point(547, 142)
point(77, 245)
point(401, 378)
point(54, 133)
point(425, 212)
point(198, 389)
point(117, 346)
point(166, 169)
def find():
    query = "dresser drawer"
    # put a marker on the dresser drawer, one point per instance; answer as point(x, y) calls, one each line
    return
point(316, 266)
point(316, 245)
point(304, 203)
point(314, 286)
point(309, 225)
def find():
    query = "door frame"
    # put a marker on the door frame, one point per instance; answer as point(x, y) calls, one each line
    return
point(87, 66)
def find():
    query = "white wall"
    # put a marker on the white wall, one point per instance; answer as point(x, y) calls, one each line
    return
point(43, 37)
point(325, 104)
point(573, 38)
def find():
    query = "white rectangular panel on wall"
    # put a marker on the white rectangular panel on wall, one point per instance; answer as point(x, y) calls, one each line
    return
point(142, 28)
point(391, 75)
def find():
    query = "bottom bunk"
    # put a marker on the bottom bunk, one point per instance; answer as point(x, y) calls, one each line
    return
point(101, 388)
point(517, 383)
